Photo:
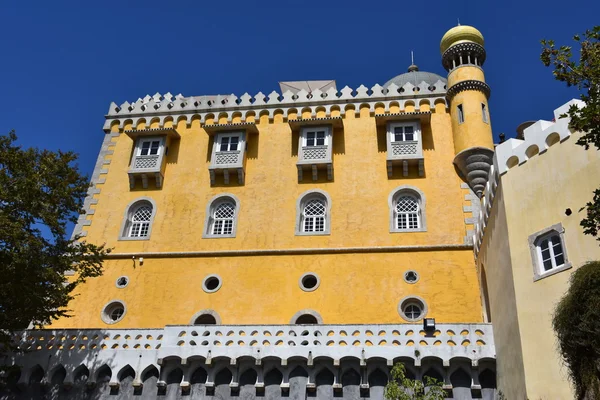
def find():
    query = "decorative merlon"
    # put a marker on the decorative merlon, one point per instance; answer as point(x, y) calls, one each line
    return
point(538, 137)
point(180, 107)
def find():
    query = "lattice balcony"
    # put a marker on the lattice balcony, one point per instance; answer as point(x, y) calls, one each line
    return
point(149, 155)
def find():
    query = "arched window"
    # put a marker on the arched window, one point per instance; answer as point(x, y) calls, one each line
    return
point(221, 217)
point(407, 210)
point(313, 210)
point(548, 252)
point(137, 223)
point(313, 216)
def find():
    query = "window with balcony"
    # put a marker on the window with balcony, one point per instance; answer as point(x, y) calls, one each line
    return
point(222, 214)
point(314, 151)
point(407, 210)
point(405, 147)
point(137, 223)
point(548, 252)
point(228, 152)
point(149, 155)
point(313, 213)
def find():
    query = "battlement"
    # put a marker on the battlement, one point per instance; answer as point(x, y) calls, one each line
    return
point(168, 107)
point(538, 138)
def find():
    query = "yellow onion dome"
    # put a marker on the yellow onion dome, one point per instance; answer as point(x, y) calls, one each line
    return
point(460, 34)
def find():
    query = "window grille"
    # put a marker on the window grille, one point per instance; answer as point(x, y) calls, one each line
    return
point(223, 217)
point(314, 216)
point(407, 213)
point(550, 252)
point(412, 311)
point(140, 221)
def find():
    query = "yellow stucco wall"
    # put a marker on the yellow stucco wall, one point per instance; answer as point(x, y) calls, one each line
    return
point(355, 288)
point(536, 195)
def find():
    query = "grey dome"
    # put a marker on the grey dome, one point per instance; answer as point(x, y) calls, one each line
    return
point(415, 77)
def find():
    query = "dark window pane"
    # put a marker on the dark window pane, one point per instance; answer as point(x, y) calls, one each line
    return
point(409, 136)
point(560, 260)
point(408, 129)
point(224, 144)
point(234, 143)
point(547, 265)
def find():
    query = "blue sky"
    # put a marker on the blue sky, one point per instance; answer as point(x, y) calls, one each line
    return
point(65, 61)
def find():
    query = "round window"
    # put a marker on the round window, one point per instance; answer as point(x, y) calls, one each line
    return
point(411, 276)
point(113, 312)
point(212, 283)
point(309, 282)
point(122, 281)
point(412, 309)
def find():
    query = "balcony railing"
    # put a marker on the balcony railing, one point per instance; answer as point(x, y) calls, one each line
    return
point(118, 348)
point(227, 158)
point(146, 162)
point(315, 153)
point(405, 148)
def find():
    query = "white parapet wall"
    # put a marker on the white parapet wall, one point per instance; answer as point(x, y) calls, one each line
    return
point(538, 138)
point(470, 345)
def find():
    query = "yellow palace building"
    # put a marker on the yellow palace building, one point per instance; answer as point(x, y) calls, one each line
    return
point(294, 244)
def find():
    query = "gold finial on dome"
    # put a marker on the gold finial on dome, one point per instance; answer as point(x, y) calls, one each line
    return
point(460, 34)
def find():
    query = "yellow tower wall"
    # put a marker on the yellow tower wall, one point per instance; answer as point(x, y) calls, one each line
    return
point(473, 132)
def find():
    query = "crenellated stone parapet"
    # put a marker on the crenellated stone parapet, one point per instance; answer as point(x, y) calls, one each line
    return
point(163, 108)
point(538, 138)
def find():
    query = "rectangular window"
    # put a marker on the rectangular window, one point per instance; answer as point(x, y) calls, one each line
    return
point(461, 114)
point(149, 148)
point(404, 133)
point(229, 143)
point(484, 113)
point(315, 138)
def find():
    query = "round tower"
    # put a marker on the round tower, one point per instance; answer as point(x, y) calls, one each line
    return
point(467, 94)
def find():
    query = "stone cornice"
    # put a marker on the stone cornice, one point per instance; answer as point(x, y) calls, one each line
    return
point(468, 85)
point(166, 107)
point(298, 251)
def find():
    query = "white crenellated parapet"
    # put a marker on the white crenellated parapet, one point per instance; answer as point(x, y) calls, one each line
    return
point(141, 349)
point(538, 138)
point(163, 108)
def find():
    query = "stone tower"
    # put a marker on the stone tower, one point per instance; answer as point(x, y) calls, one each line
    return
point(463, 56)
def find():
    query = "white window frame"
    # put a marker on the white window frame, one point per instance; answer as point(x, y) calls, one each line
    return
point(209, 219)
point(536, 253)
point(310, 129)
point(222, 136)
point(460, 113)
point(407, 190)
point(416, 131)
point(131, 208)
point(305, 198)
point(140, 146)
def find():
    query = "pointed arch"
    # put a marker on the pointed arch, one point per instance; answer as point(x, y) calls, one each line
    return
point(273, 377)
point(199, 376)
point(81, 374)
point(175, 376)
point(58, 375)
point(104, 374)
point(126, 372)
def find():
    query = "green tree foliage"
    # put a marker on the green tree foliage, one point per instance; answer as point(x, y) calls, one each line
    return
point(585, 76)
point(576, 322)
point(40, 192)
point(402, 388)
